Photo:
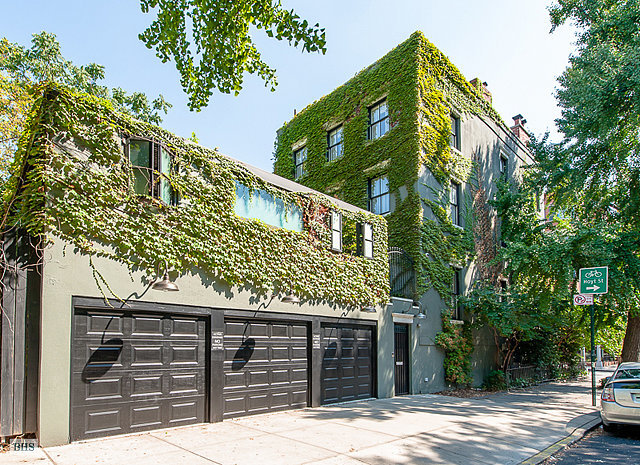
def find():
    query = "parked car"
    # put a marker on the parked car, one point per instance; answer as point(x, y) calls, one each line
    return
point(620, 401)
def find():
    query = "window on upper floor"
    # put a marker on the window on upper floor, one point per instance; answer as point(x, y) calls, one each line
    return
point(336, 231)
point(300, 159)
point(334, 144)
point(258, 204)
point(151, 164)
point(378, 120)
point(456, 292)
point(454, 204)
point(379, 195)
point(365, 239)
point(504, 166)
point(454, 136)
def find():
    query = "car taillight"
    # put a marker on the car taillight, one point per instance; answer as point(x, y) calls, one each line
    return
point(607, 394)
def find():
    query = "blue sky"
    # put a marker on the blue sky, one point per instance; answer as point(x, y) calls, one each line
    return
point(505, 43)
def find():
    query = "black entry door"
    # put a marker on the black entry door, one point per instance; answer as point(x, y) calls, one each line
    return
point(402, 358)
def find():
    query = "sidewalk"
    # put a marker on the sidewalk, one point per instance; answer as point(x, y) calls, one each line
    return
point(505, 428)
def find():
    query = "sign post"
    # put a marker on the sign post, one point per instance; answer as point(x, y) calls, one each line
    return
point(592, 281)
point(593, 357)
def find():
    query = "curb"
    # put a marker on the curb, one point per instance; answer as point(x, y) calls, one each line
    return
point(575, 436)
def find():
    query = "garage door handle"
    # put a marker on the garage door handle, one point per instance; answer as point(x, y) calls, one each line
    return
point(399, 363)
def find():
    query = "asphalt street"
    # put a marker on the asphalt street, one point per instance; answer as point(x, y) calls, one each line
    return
point(599, 446)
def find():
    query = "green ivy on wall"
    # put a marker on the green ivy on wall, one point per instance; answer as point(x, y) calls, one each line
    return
point(71, 180)
point(422, 88)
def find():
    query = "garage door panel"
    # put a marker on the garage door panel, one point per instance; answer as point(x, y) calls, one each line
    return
point(185, 412)
point(141, 378)
point(102, 422)
point(265, 366)
point(150, 356)
point(185, 354)
point(146, 385)
point(102, 324)
point(347, 365)
point(189, 383)
point(185, 328)
point(146, 326)
point(104, 388)
point(299, 375)
point(99, 356)
point(147, 416)
point(348, 372)
point(236, 379)
point(257, 379)
point(279, 330)
point(281, 354)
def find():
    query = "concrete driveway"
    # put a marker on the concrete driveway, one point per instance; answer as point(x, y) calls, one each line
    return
point(423, 429)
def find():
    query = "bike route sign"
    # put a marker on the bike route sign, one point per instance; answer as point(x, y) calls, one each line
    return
point(594, 280)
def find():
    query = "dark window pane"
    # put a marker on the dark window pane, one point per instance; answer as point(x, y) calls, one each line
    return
point(141, 181)
point(140, 153)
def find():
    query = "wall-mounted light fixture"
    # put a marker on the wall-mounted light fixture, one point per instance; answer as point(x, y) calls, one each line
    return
point(165, 284)
point(290, 299)
point(418, 305)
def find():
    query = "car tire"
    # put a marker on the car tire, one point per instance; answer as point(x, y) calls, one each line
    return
point(609, 427)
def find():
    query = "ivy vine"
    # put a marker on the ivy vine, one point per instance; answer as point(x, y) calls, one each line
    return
point(72, 181)
point(422, 88)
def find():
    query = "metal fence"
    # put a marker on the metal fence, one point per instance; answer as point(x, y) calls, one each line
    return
point(530, 372)
point(402, 276)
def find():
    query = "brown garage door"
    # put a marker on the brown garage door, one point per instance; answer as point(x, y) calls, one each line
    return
point(265, 366)
point(136, 371)
point(347, 365)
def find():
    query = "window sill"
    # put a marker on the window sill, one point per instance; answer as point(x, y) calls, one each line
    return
point(369, 141)
point(455, 150)
point(461, 228)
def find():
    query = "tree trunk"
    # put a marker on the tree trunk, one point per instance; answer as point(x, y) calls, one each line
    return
point(631, 344)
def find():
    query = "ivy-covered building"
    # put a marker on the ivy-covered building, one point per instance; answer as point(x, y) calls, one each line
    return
point(411, 139)
point(269, 308)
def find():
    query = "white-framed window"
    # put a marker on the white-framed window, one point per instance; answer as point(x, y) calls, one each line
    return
point(378, 120)
point(300, 159)
point(456, 292)
point(336, 231)
point(454, 135)
point(152, 165)
point(379, 195)
point(454, 204)
point(334, 144)
point(366, 240)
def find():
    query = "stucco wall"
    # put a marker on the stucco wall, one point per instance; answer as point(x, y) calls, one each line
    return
point(67, 274)
point(485, 141)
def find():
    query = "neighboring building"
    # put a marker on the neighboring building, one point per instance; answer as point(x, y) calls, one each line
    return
point(411, 139)
point(281, 298)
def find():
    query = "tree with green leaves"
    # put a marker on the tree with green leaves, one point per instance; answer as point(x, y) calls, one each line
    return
point(211, 44)
point(21, 68)
point(594, 173)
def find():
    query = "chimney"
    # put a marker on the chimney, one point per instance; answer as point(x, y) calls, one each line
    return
point(482, 88)
point(519, 130)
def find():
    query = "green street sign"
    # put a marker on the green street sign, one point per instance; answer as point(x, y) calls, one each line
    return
point(594, 280)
